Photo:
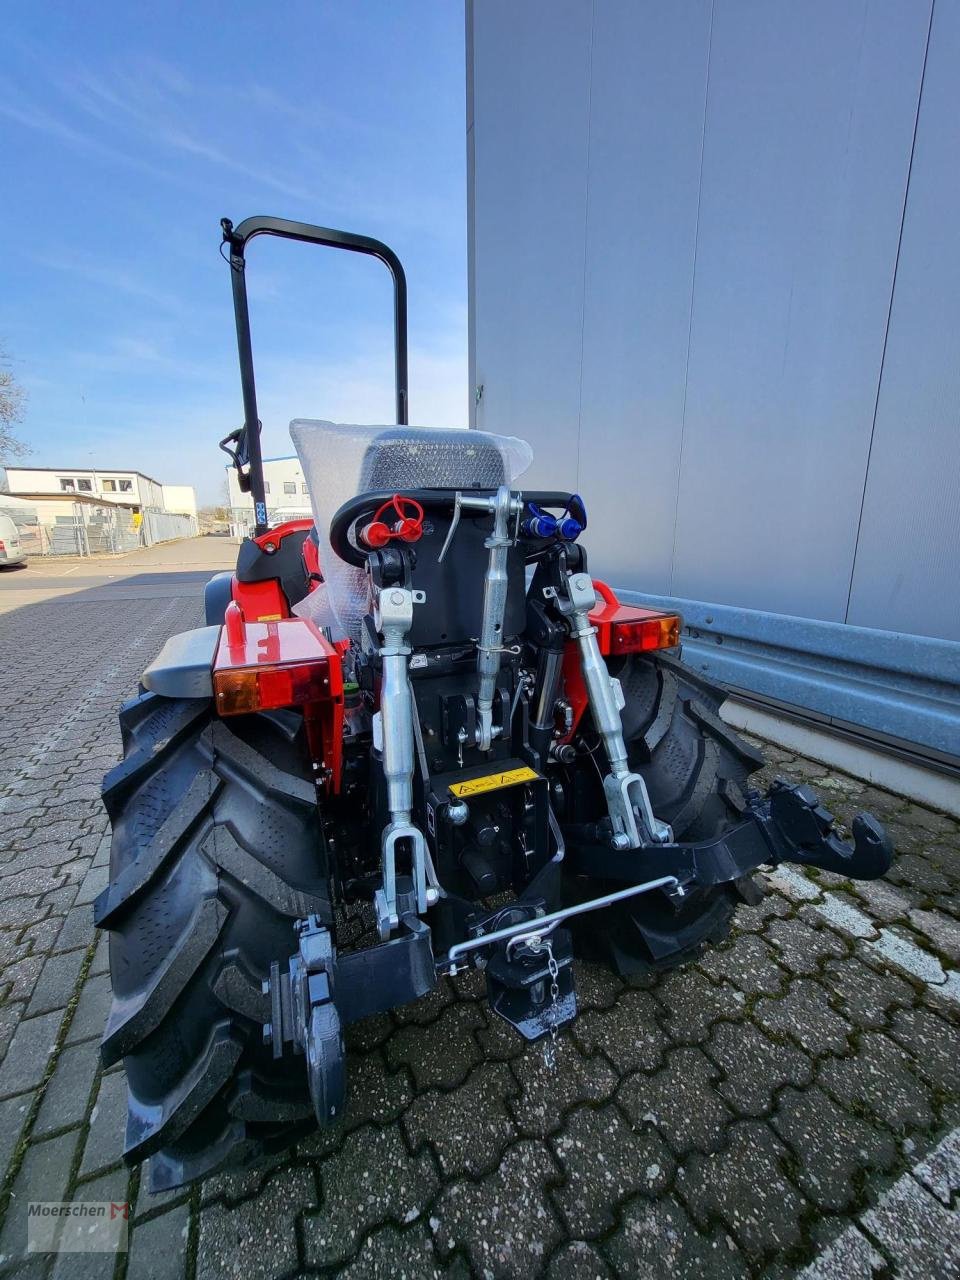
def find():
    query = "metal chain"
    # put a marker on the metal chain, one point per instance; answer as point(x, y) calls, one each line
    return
point(550, 1045)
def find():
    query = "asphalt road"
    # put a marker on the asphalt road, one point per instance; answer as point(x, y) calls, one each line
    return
point(787, 1106)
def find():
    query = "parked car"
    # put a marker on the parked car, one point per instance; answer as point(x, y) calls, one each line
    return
point(11, 551)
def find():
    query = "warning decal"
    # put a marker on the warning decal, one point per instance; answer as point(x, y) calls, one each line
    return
point(493, 782)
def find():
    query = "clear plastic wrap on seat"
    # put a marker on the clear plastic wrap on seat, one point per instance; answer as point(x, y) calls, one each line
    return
point(340, 462)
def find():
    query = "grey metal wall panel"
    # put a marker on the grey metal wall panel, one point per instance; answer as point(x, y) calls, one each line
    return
point(907, 574)
point(810, 118)
point(687, 275)
point(530, 116)
point(646, 127)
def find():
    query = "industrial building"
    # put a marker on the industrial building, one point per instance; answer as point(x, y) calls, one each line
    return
point(714, 280)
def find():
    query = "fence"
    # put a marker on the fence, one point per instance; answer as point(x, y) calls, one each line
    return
point(83, 530)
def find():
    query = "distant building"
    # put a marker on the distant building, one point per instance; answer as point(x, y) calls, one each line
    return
point(81, 510)
point(130, 489)
point(285, 490)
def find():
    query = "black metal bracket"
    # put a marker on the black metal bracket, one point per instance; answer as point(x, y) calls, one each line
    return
point(304, 1017)
point(789, 824)
point(518, 971)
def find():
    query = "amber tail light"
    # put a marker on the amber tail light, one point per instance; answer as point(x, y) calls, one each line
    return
point(645, 634)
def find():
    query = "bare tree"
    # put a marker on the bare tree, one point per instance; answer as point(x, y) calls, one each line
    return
point(13, 401)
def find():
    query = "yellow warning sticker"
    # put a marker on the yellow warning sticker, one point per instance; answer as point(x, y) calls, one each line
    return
point(493, 782)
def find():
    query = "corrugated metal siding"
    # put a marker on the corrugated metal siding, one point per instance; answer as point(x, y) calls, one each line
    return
point(715, 282)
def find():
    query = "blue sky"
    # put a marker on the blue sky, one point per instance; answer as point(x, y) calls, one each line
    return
point(129, 130)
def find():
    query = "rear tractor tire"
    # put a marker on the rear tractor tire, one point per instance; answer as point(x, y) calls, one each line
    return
point(217, 850)
point(695, 768)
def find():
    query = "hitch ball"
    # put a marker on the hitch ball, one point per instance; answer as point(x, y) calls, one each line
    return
point(457, 813)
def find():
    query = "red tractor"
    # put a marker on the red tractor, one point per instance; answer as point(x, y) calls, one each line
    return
point(416, 737)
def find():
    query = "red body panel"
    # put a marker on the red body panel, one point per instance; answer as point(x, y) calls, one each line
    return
point(265, 665)
point(265, 601)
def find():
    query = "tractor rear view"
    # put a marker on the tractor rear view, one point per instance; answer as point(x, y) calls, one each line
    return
point(422, 710)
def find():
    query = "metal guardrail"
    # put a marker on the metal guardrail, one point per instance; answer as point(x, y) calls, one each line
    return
point(894, 685)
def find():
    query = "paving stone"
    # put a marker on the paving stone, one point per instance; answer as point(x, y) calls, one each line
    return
point(13, 1116)
point(29, 1053)
point(628, 1034)
point(597, 987)
point(43, 1175)
point(505, 1222)
point(545, 1094)
point(497, 1039)
point(373, 1092)
point(77, 929)
point(18, 911)
point(880, 1080)
point(802, 949)
point(256, 1237)
point(604, 1160)
point(578, 1260)
point(940, 1171)
point(793, 884)
point(804, 1014)
point(232, 1185)
point(694, 1003)
point(933, 1043)
point(850, 1257)
point(101, 957)
point(902, 952)
point(831, 1145)
point(93, 1008)
point(69, 1265)
point(755, 919)
point(916, 1231)
point(746, 1186)
point(749, 964)
point(370, 1179)
point(108, 1119)
point(913, 871)
point(940, 824)
point(390, 1254)
point(755, 1067)
point(56, 983)
point(20, 977)
point(42, 934)
point(442, 1054)
point(681, 1101)
point(68, 1091)
point(659, 1240)
point(865, 996)
point(468, 1128)
point(941, 930)
point(158, 1247)
point(96, 879)
point(884, 901)
point(843, 914)
point(369, 1034)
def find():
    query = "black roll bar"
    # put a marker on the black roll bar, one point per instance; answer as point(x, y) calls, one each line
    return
point(248, 440)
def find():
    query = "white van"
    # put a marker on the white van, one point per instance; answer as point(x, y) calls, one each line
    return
point(11, 552)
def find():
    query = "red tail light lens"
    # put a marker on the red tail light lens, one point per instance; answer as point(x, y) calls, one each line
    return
point(246, 689)
point(646, 634)
point(261, 666)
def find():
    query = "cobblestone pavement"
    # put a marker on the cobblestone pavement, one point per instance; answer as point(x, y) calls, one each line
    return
point(787, 1106)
